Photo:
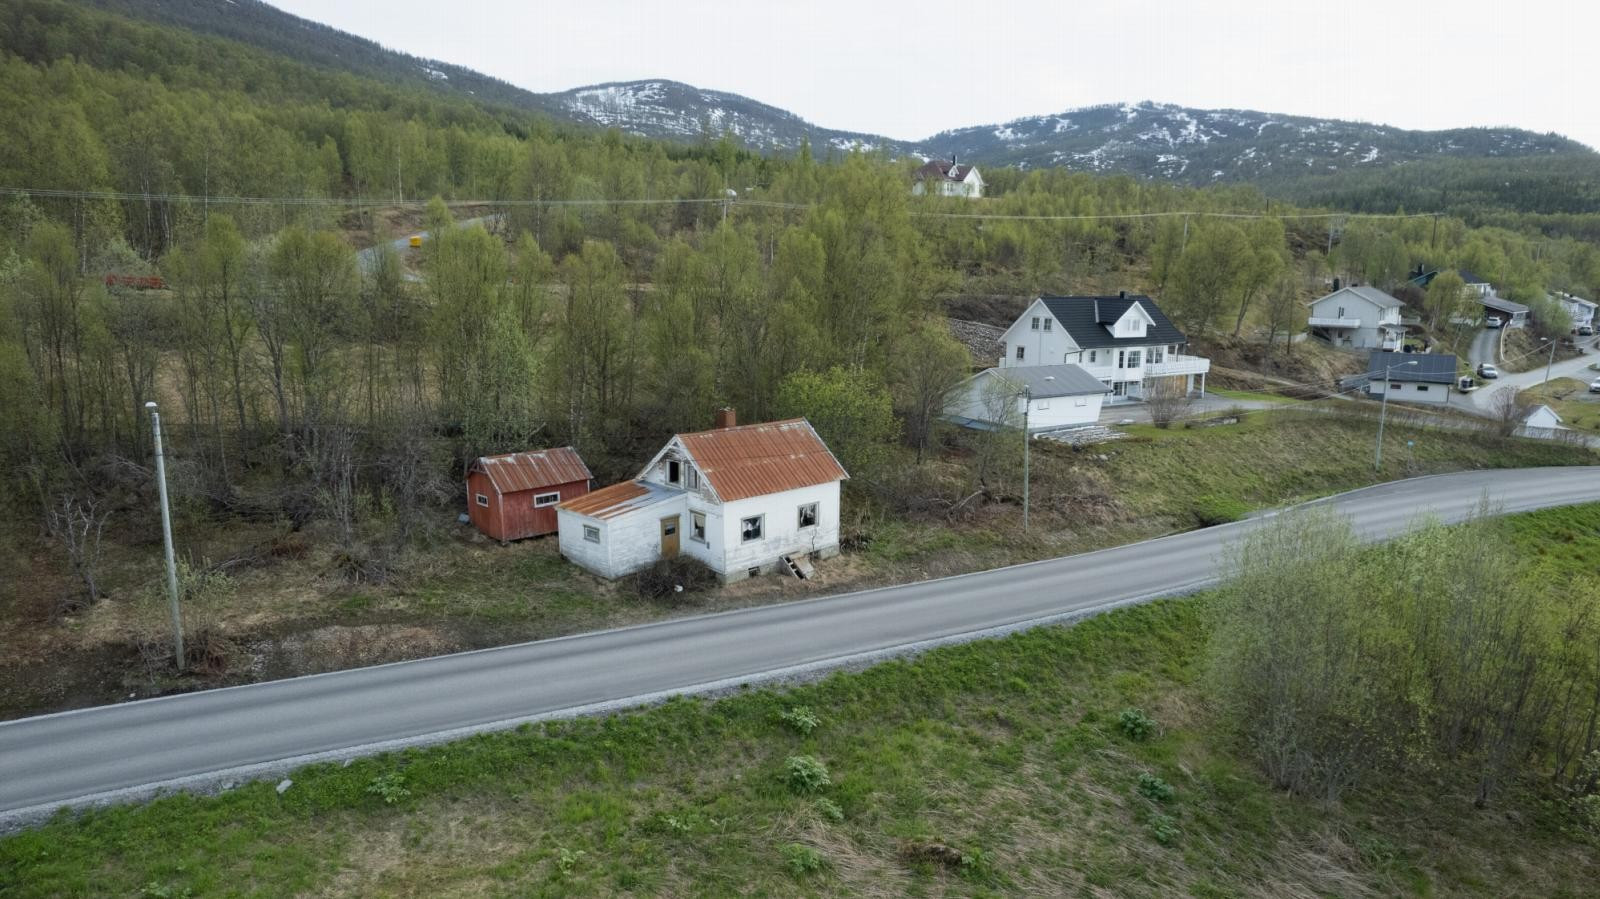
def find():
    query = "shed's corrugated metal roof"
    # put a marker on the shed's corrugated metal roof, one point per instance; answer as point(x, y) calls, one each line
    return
point(514, 472)
point(609, 502)
point(755, 460)
point(1500, 305)
point(1046, 381)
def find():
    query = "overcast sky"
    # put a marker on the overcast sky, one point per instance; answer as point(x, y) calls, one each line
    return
point(909, 70)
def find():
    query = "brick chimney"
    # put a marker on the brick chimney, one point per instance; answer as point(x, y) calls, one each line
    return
point(726, 418)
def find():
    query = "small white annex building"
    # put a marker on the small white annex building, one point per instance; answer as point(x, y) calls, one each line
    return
point(1580, 310)
point(743, 499)
point(1543, 422)
point(1358, 318)
point(947, 178)
point(1125, 341)
point(1046, 397)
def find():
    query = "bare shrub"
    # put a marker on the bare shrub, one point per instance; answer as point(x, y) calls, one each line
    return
point(78, 523)
point(1168, 399)
point(1507, 410)
point(674, 580)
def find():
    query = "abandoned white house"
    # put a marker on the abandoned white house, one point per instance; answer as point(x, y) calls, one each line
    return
point(1358, 318)
point(947, 178)
point(743, 499)
point(1124, 341)
point(1046, 397)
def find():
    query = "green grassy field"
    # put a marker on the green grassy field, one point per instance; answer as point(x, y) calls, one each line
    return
point(993, 768)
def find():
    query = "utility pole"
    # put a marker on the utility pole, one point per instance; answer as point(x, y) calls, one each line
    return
point(1027, 400)
point(1552, 360)
point(1383, 409)
point(166, 533)
point(1185, 245)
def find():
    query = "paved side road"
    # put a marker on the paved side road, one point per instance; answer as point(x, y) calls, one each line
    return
point(202, 740)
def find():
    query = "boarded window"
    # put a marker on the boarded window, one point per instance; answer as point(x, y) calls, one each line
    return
point(808, 515)
point(482, 500)
point(591, 533)
point(540, 500)
point(751, 528)
point(697, 526)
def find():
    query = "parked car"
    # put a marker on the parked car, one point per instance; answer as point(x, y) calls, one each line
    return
point(1487, 372)
point(1585, 330)
point(1492, 323)
point(1594, 386)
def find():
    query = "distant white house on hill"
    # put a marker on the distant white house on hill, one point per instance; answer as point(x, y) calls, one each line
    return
point(1580, 310)
point(948, 178)
point(1357, 318)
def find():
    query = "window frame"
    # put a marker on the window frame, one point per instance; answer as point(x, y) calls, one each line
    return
point(1035, 324)
point(1021, 352)
point(697, 522)
point(546, 500)
point(800, 515)
point(482, 499)
point(1135, 358)
point(591, 533)
point(1047, 323)
point(745, 536)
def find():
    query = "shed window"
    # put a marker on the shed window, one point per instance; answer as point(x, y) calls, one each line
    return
point(1020, 353)
point(697, 526)
point(751, 528)
point(540, 500)
point(482, 500)
point(1422, 387)
point(1394, 385)
point(808, 515)
point(591, 533)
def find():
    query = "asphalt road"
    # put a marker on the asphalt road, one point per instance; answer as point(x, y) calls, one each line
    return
point(201, 740)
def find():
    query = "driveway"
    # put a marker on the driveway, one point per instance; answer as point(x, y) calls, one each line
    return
point(215, 737)
point(1485, 347)
point(1205, 406)
point(1483, 399)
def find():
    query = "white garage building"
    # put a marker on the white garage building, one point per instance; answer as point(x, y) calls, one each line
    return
point(1058, 396)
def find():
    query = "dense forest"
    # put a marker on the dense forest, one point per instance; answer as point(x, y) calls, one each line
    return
point(607, 290)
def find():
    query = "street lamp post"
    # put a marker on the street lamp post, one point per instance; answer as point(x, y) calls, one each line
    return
point(166, 533)
point(1027, 400)
point(1383, 409)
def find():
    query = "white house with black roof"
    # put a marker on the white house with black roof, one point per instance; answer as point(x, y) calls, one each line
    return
point(1044, 397)
point(1412, 377)
point(1123, 341)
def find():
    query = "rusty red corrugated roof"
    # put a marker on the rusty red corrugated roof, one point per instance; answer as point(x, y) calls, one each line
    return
point(514, 472)
point(609, 502)
point(754, 460)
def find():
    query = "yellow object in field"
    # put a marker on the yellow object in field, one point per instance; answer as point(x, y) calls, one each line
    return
point(416, 240)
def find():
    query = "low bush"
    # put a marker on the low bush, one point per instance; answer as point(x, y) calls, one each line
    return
point(1154, 788)
point(1136, 724)
point(801, 719)
point(390, 787)
point(674, 580)
point(802, 859)
point(805, 774)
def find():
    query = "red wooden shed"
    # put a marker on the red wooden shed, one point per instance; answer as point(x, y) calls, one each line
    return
point(515, 495)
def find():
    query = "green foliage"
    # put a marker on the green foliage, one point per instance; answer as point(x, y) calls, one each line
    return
point(1164, 828)
point(566, 860)
point(1212, 509)
point(802, 860)
point(851, 410)
point(801, 719)
point(1136, 724)
point(805, 774)
point(1154, 788)
point(829, 810)
point(389, 786)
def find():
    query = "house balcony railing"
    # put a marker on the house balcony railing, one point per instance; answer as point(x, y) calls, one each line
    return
point(1317, 321)
point(1175, 364)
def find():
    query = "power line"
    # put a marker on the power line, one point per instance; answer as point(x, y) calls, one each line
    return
point(727, 203)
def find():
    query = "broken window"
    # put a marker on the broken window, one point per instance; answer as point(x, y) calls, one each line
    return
point(697, 526)
point(750, 528)
point(808, 515)
point(673, 472)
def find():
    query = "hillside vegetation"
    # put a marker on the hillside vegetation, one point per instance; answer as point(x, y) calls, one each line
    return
point(1097, 759)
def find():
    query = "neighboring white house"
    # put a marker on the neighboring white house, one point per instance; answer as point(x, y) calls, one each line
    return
point(1412, 377)
point(1359, 318)
point(1123, 341)
point(948, 179)
point(1580, 310)
point(1477, 285)
point(1058, 396)
point(743, 499)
